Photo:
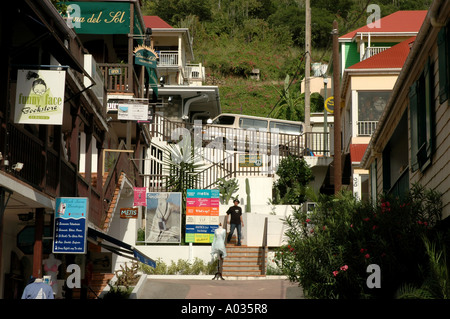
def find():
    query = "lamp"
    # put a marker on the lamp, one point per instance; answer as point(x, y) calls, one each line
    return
point(17, 167)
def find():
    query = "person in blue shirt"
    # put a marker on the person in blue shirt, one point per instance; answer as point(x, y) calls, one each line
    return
point(38, 289)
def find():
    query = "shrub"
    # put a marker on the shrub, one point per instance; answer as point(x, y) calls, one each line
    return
point(329, 249)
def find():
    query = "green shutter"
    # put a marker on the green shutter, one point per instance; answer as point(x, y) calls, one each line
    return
point(414, 127)
point(443, 54)
point(429, 111)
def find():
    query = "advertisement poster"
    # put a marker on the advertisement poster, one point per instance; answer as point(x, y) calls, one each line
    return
point(70, 225)
point(202, 215)
point(163, 218)
point(39, 97)
point(139, 196)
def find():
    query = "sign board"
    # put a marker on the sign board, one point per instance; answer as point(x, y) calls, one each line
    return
point(202, 215)
point(139, 196)
point(70, 227)
point(145, 56)
point(329, 104)
point(132, 112)
point(247, 160)
point(39, 97)
point(128, 213)
point(163, 217)
point(114, 71)
point(99, 17)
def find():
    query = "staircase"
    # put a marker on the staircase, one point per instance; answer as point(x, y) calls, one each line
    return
point(243, 261)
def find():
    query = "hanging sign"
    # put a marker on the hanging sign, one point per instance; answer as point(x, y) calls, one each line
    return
point(146, 56)
point(39, 97)
point(132, 112)
point(329, 104)
point(70, 225)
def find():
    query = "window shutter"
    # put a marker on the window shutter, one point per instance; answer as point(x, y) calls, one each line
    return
point(414, 127)
point(429, 111)
point(443, 48)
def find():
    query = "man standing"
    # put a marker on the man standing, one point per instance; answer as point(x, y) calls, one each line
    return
point(235, 220)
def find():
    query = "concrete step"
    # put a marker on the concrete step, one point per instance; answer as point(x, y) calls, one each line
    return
point(243, 261)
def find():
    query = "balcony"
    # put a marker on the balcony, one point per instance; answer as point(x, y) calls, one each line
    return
point(366, 128)
point(168, 58)
point(371, 51)
point(119, 80)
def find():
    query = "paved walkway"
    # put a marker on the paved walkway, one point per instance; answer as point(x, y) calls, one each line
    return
point(178, 287)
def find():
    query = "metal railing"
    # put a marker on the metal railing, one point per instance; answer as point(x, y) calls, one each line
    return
point(168, 58)
point(366, 128)
point(371, 51)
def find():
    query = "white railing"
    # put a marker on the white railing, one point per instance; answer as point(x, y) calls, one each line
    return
point(366, 128)
point(371, 51)
point(194, 72)
point(168, 58)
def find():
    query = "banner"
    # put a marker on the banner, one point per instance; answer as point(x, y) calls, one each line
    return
point(202, 215)
point(139, 196)
point(70, 225)
point(163, 218)
point(39, 97)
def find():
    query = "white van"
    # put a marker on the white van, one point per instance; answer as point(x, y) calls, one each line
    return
point(246, 131)
point(247, 121)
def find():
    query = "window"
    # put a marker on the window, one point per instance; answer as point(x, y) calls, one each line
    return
point(421, 101)
point(286, 128)
point(224, 120)
point(444, 63)
point(252, 123)
point(370, 107)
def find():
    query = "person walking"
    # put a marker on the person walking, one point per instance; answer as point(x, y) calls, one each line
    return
point(235, 221)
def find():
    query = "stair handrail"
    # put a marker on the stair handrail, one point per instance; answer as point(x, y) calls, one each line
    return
point(264, 246)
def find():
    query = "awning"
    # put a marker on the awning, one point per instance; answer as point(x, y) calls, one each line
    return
point(120, 248)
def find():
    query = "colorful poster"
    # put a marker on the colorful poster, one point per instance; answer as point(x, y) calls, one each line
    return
point(139, 196)
point(70, 225)
point(202, 215)
point(163, 218)
point(39, 97)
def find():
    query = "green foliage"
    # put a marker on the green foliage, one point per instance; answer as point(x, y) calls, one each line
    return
point(227, 187)
point(181, 267)
point(330, 248)
point(294, 176)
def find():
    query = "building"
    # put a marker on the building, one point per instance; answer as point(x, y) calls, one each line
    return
point(410, 143)
point(371, 60)
point(72, 145)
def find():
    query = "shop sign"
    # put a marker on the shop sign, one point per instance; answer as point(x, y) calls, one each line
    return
point(39, 97)
point(145, 56)
point(128, 213)
point(139, 196)
point(98, 17)
point(70, 226)
point(132, 112)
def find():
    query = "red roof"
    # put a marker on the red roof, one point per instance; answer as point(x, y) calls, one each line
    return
point(357, 152)
point(392, 58)
point(400, 21)
point(155, 22)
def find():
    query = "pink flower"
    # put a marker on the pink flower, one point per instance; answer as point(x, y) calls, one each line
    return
point(374, 227)
point(351, 226)
point(367, 256)
point(308, 220)
point(335, 273)
point(344, 268)
point(366, 219)
point(362, 250)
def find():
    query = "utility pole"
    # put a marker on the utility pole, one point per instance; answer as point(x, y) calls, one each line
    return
point(337, 110)
point(307, 67)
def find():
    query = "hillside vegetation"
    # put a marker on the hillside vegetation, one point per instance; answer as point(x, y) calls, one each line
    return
point(233, 37)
